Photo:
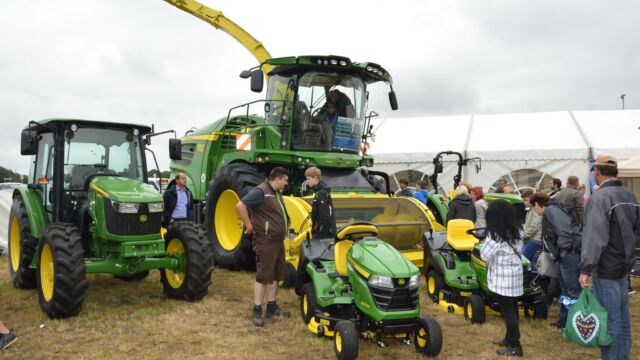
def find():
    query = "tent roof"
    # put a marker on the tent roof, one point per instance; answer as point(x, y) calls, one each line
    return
point(629, 168)
point(613, 132)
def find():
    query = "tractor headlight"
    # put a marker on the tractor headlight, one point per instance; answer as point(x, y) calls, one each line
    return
point(413, 281)
point(156, 207)
point(381, 281)
point(126, 208)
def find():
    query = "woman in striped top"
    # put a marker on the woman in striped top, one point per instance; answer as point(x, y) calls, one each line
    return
point(501, 251)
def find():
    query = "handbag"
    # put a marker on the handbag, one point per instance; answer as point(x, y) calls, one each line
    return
point(547, 266)
point(587, 322)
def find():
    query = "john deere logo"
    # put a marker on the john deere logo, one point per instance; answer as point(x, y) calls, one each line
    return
point(143, 218)
point(401, 281)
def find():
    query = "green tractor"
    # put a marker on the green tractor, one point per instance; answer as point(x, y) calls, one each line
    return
point(227, 158)
point(359, 286)
point(88, 209)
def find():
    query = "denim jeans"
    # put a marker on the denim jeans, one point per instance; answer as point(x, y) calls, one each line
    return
point(569, 283)
point(530, 251)
point(613, 296)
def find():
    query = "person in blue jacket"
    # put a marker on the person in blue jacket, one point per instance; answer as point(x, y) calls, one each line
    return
point(421, 191)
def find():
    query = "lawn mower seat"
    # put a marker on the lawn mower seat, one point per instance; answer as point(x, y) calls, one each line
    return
point(340, 252)
point(457, 236)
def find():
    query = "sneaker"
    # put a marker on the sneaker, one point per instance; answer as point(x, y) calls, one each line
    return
point(257, 316)
point(274, 310)
point(510, 351)
point(7, 339)
point(631, 290)
point(502, 342)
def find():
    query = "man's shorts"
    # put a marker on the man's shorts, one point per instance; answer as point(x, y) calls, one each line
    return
point(270, 264)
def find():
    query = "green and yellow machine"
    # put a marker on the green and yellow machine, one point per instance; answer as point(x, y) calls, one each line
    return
point(88, 209)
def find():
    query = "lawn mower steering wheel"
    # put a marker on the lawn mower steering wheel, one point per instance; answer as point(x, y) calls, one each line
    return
point(356, 235)
point(478, 233)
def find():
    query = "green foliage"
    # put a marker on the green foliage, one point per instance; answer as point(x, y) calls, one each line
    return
point(7, 175)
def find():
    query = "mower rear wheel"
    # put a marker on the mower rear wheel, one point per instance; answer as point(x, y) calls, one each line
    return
point(61, 271)
point(539, 310)
point(232, 248)
point(192, 283)
point(474, 309)
point(22, 246)
point(428, 338)
point(435, 283)
point(308, 303)
point(137, 277)
point(345, 340)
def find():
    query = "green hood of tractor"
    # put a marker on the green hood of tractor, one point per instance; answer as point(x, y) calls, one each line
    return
point(379, 258)
point(121, 189)
point(510, 198)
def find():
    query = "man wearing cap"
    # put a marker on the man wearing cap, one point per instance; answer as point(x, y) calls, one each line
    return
point(611, 229)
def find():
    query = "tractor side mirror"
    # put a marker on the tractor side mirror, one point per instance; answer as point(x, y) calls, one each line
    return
point(175, 149)
point(438, 168)
point(393, 100)
point(29, 142)
point(257, 80)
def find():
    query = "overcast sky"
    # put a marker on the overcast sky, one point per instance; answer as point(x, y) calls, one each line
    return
point(145, 61)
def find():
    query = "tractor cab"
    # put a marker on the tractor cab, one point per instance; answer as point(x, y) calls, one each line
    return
point(319, 103)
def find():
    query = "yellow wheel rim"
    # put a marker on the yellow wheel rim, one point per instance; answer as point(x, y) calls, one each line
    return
point(422, 337)
point(228, 225)
point(431, 286)
point(338, 342)
point(469, 310)
point(175, 279)
point(15, 244)
point(46, 272)
point(305, 305)
point(163, 230)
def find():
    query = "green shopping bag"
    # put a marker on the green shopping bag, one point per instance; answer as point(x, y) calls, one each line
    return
point(587, 322)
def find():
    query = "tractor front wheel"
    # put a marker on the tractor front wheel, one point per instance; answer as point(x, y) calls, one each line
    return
point(22, 247)
point(428, 339)
point(61, 271)
point(232, 248)
point(189, 243)
point(345, 340)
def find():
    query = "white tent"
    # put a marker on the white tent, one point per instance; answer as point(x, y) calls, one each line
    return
point(528, 149)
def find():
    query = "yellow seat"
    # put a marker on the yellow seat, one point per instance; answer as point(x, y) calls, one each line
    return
point(340, 252)
point(457, 236)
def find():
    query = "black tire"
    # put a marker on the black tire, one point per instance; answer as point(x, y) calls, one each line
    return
point(193, 283)
point(137, 277)
point(345, 340)
point(22, 276)
point(428, 338)
point(474, 309)
point(435, 283)
point(308, 297)
point(61, 292)
point(240, 178)
point(539, 310)
point(290, 276)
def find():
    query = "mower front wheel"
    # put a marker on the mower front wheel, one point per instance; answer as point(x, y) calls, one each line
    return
point(474, 309)
point(187, 240)
point(308, 303)
point(345, 340)
point(428, 339)
point(435, 283)
point(539, 310)
point(61, 271)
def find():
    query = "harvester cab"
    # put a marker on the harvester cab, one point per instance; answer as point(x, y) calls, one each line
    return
point(88, 209)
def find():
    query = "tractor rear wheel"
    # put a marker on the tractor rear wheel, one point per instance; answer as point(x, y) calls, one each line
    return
point(61, 271)
point(232, 248)
point(435, 283)
point(428, 338)
point(345, 340)
point(22, 246)
point(189, 243)
point(474, 309)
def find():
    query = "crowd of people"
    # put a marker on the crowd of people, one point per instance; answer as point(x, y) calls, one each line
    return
point(591, 241)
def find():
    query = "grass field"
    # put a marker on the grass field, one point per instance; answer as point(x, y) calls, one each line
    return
point(134, 320)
